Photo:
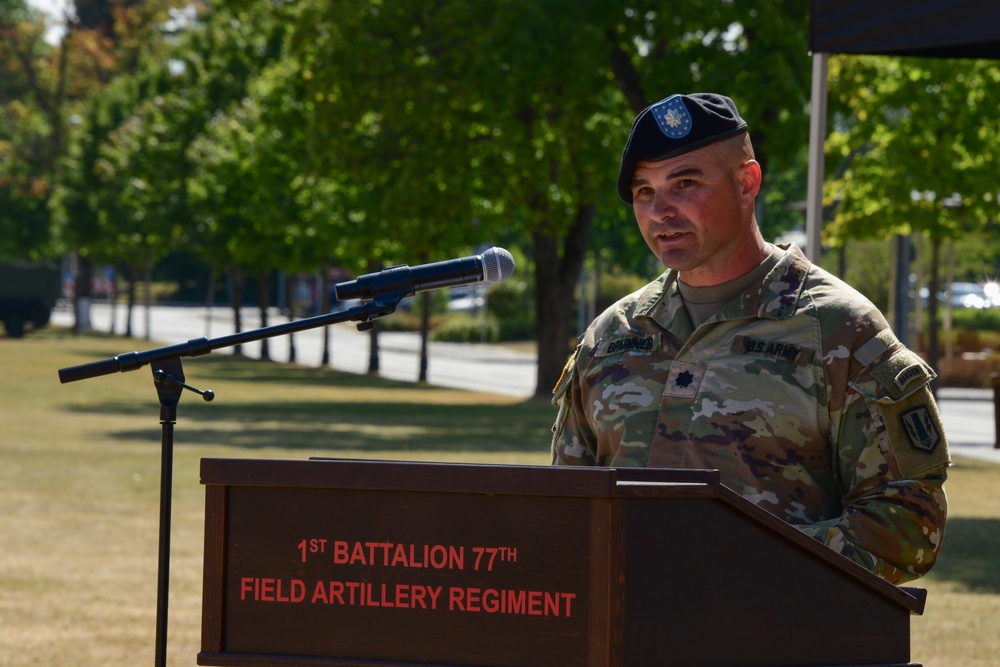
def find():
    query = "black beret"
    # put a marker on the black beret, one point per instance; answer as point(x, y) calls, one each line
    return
point(674, 126)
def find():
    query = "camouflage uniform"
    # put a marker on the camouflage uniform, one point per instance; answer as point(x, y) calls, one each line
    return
point(797, 391)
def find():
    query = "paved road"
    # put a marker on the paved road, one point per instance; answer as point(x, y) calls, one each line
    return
point(461, 366)
point(968, 414)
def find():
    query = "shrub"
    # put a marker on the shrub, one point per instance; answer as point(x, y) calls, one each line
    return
point(614, 284)
point(968, 370)
point(462, 328)
point(976, 319)
point(513, 305)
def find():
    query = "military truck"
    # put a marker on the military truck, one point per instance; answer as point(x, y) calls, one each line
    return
point(28, 292)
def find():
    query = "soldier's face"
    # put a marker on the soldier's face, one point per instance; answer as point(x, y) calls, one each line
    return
point(695, 213)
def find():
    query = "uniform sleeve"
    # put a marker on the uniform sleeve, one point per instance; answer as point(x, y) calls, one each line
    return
point(891, 461)
point(573, 441)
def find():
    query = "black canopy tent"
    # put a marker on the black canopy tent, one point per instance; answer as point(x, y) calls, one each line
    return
point(926, 28)
point(932, 28)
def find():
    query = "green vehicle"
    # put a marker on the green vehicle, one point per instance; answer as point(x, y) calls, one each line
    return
point(28, 292)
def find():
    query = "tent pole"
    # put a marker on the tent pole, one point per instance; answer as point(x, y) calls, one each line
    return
point(817, 138)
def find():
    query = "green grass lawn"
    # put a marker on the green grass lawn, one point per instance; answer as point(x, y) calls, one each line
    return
point(79, 492)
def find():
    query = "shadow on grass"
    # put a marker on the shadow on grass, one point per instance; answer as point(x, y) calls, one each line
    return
point(237, 368)
point(357, 425)
point(969, 554)
point(350, 412)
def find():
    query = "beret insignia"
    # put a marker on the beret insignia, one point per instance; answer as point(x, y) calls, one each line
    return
point(672, 117)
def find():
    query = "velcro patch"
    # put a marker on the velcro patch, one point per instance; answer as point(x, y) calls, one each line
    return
point(908, 374)
point(916, 436)
point(875, 347)
point(683, 380)
point(624, 344)
point(902, 373)
point(920, 428)
point(793, 354)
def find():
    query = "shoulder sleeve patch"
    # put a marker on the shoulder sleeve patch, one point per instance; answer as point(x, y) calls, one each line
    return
point(564, 380)
point(916, 437)
point(897, 389)
point(901, 374)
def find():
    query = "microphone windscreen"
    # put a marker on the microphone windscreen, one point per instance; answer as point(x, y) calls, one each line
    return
point(498, 265)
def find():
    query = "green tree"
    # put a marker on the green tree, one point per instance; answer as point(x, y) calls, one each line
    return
point(915, 140)
point(533, 104)
point(424, 129)
point(33, 81)
point(394, 125)
point(101, 42)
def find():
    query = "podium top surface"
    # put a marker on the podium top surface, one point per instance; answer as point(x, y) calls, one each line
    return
point(364, 474)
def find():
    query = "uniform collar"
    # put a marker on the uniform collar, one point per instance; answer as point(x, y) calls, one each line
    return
point(776, 297)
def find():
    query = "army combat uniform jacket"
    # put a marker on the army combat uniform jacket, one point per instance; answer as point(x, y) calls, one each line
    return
point(797, 392)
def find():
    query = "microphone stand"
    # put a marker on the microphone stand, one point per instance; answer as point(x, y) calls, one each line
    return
point(168, 378)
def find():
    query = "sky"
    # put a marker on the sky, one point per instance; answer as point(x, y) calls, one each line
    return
point(49, 6)
point(53, 8)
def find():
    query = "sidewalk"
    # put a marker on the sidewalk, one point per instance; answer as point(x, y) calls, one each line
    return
point(967, 414)
point(969, 422)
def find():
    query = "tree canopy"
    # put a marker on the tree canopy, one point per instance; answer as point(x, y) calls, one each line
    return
point(256, 135)
point(914, 146)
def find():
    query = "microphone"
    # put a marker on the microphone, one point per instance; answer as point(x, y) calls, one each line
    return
point(493, 266)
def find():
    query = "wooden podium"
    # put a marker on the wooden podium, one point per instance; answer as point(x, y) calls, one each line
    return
point(353, 563)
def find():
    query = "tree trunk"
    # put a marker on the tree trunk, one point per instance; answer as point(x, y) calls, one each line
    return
point(263, 303)
point(323, 285)
point(81, 298)
point(290, 303)
point(373, 355)
point(933, 353)
point(147, 280)
point(133, 280)
point(209, 301)
point(113, 300)
point(425, 327)
point(236, 285)
point(557, 269)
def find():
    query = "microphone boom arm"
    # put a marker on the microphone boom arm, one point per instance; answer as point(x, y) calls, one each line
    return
point(364, 314)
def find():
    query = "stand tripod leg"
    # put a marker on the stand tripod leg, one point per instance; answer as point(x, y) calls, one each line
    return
point(169, 393)
point(163, 571)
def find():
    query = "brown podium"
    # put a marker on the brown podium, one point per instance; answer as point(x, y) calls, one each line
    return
point(353, 563)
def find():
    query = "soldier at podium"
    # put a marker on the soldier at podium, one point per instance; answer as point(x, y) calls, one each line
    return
point(747, 358)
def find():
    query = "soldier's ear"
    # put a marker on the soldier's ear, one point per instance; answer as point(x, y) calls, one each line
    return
point(749, 179)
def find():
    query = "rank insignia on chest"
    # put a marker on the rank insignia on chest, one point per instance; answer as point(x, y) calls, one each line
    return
point(627, 344)
point(683, 380)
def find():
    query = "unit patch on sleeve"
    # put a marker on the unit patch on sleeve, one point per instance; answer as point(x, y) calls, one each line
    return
point(916, 437)
point(920, 428)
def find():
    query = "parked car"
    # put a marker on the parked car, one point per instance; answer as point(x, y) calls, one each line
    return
point(466, 299)
point(968, 295)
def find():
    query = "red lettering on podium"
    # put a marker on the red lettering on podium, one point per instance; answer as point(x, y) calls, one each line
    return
point(392, 554)
point(268, 589)
point(507, 601)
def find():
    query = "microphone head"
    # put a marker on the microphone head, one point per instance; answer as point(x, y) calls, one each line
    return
point(498, 265)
